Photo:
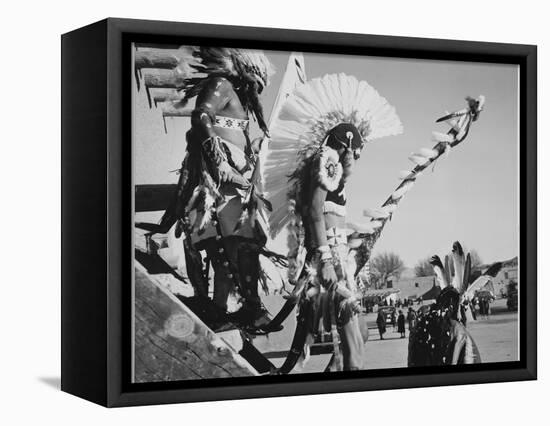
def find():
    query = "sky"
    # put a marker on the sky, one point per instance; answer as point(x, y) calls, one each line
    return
point(471, 196)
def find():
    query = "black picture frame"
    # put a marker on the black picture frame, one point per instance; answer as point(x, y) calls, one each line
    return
point(96, 211)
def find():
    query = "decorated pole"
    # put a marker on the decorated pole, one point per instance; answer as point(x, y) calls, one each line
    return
point(294, 76)
point(365, 236)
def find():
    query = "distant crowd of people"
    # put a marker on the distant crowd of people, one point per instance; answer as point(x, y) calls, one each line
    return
point(380, 302)
point(397, 319)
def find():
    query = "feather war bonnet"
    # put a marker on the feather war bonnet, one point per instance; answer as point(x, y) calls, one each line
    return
point(303, 122)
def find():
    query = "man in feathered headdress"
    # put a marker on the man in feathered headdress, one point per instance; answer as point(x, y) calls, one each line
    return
point(323, 212)
point(215, 204)
point(323, 127)
point(440, 336)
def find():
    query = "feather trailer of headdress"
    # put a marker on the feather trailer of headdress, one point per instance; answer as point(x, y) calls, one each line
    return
point(201, 204)
point(303, 122)
point(459, 262)
point(435, 261)
point(484, 279)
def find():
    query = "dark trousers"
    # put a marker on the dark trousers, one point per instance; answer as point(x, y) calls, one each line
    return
point(238, 265)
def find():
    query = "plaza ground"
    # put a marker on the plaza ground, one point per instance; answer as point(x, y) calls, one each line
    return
point(496, 338)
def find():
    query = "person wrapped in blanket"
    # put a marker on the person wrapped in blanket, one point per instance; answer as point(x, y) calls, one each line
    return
point(215, 203)
point(331, 291)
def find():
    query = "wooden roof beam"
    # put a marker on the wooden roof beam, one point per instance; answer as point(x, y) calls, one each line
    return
point(156, 59)
point(165, 95)
point(174, 109)
point(160, 78)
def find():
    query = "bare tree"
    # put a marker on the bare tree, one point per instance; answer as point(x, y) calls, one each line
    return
point(423, 268)
point(384, 266)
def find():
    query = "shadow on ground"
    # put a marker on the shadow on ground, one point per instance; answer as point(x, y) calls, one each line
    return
point(54, 382)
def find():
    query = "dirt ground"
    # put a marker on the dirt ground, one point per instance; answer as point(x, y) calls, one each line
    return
point(496, 338)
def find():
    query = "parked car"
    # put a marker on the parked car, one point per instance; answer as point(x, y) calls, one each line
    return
point(387, 312)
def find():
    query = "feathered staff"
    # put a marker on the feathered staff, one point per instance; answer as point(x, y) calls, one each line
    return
point(365, 236)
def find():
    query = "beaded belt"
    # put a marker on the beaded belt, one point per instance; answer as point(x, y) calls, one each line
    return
point(231, 123)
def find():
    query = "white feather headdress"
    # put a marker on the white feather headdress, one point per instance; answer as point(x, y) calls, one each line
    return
point(303, 122)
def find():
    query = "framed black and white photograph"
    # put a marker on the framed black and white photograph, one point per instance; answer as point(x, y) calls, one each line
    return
point(289, 212)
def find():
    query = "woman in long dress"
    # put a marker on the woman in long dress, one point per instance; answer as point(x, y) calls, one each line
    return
point(381, 323)
point(401, 324)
